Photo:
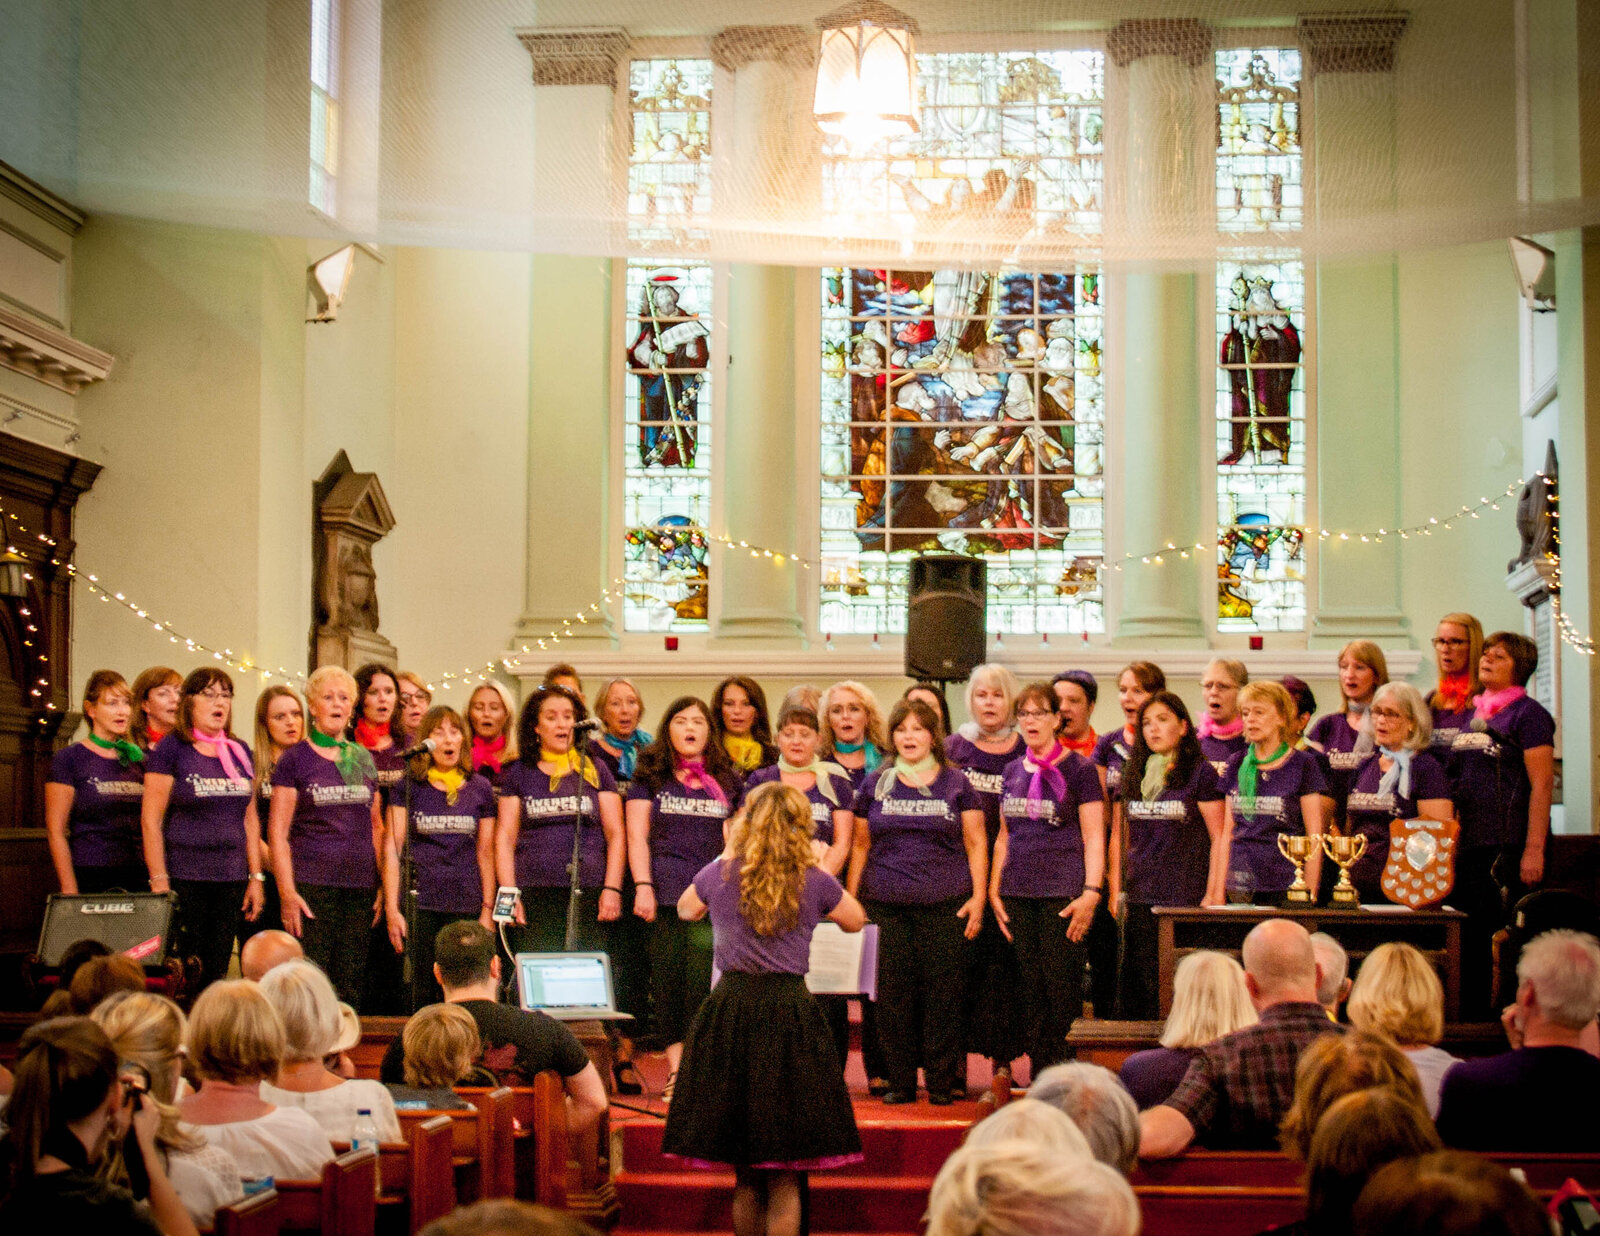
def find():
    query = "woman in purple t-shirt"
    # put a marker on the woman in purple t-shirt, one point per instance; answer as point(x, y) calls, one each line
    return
point(1049, 865)
point(762, 1088)
point(280, 725)
point(553, 789)
point(1457, 648)
point(1344, 739)
point(1221, 730)
point(921, 861)
point(377, 727)
point(91, 799)
point(684, 788)
point(852, 730)
point(326, 834)
point(202, 837)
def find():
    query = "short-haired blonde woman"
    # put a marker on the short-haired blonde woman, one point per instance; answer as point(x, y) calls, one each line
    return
point(93, 794)
point(1400, 780)
point(492, 715)
point(1457, 645)
point(1398, 993)
point(1271, 788)
point(330, 848)
point(853, 735)
point(441, 1044)
point(311, 1024)
point(1015, 1187)
point(147, 1030)
point(619, 708)
point(1345, 738)
point(235, 1043)
point(1209, 1000)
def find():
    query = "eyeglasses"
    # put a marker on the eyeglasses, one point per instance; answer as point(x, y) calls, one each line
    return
point(1031, 714)
point(1389, 714)
point(215, 693)
point(1440, 641)
point(411, 697)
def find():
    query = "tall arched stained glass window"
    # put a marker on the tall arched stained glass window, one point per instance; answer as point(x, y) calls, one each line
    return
point(963, 410)
point(666, 350)
point(1261, 342)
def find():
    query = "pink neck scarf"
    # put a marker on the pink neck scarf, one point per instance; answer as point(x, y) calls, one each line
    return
point(229, 750)
point(693, 774)
point(1212, 729)
point(1045, 773)
point(1490, 702)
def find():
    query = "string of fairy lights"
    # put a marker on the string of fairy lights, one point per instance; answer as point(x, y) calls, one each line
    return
point(19, 540)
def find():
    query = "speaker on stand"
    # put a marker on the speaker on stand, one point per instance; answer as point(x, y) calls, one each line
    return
point(946, 605)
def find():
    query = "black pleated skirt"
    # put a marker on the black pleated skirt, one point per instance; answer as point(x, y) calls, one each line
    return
point(760, 1085)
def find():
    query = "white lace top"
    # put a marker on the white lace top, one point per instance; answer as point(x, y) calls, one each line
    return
point(335, 1108)
point(204, 1178)
point(286, 1144)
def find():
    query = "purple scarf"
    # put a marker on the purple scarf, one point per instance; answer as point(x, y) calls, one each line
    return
point(1045, 773)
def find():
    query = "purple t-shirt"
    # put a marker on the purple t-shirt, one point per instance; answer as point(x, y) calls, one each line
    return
point(204, 828)
point(1369, 812)
point(390, 769)
point(1335, 739)
point(1044, 853)
point(545, 822)
point(737, 948)
point(1446, 725)
point(330, 837)
point(1169, 846)
point(444, 844)
point(985, 772)
point(1275, 809)
point(1218, 751)
point(685, 833)
point(1111, 752)
point(1490, 778)
point(917, 855)
point(821, 808)
point(103, 827)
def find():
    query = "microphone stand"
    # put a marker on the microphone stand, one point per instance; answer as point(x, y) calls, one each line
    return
point(408, 887)
point(574, 872)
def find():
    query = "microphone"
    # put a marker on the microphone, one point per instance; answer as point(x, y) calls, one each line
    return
point(422, 748)
point(581, 726)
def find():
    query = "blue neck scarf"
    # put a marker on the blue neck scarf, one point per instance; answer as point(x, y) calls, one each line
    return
point(1399, 774)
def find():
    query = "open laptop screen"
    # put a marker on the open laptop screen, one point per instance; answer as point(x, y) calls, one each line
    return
point(550, 981)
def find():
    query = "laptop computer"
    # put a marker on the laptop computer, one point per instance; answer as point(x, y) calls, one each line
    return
point(568, 986)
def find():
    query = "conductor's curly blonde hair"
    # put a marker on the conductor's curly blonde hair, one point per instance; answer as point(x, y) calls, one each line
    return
point(770, 841)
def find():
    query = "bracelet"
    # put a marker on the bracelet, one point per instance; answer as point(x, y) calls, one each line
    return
point(612, 889)
point(157, 875)
point(1093, 888)
point(644, 884)
point(259, 875)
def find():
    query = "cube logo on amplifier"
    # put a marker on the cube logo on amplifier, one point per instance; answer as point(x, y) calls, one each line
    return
point(106, 907)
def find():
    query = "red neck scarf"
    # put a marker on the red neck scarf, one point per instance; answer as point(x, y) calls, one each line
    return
point(370, 734)
point(1212, 729)
point(488, 754)
point(154, 733)
point(1083, 746)
point(1454, 692)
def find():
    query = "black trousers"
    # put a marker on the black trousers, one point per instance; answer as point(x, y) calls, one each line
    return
point(128, 878)
point(1101, 947)
point(271, 912)
point(339, 937)
point(680, 971)
point(922, 959)
point(872, 1058)
point(991, 1013)
point(1141, 994)
point(546, 929)
point(206, 923)
point(1488, 885)
point(1051, 971)
point(630, 965)
point(420, 948)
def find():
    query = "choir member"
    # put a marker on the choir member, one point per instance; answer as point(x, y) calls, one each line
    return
point(1344, 738)
point(377, 725)
point(1400, 780)
point(553, 792)
point(683, 790)
point(1457, 648)
point(1170, 817)
point(619, 708)
point(852, 733)
point(740, 723)
point(1138, 681)
point(492, 718)
point(1305, 707)
point(155, 705)
point(280, 724)
point(923, 872)
point(1220, 729)
point(92, 796)
point(1076, 692)
point(415, 700)
point(202, 835)
point(451, 825)
point(325, 815)
point(1049, 865)
point(932, 694)
point(563, 675)
point(1271, 788)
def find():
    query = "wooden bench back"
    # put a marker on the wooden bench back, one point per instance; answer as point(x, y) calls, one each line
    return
point(484, 1137)
point(537, 1112)
point(342, 1203)
point(250, 1216)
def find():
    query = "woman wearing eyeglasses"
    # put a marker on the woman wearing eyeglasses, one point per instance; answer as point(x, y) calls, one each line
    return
point(1457, 646)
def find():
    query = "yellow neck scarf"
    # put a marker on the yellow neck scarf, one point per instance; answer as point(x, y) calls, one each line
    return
point(447, 780)
point(744, 751)
point(569, 761)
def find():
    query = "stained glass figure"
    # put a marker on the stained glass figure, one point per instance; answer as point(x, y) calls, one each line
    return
point(1261, 354)
point(669, 166)
point(1258, 140)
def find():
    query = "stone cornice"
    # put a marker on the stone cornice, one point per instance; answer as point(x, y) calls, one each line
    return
point(53, 210)
point(52, 356)
point(1136, 38)
point(737, 46)
point(576, 55)
point(1351, 42)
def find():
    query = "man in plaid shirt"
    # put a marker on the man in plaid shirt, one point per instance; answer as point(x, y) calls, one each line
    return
point(1239, 1087)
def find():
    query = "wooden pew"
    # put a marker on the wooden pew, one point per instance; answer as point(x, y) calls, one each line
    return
point(342, 1203)
point(418, 1174)
point(541, 1144)
point(250, 1216)
point(483, 1139)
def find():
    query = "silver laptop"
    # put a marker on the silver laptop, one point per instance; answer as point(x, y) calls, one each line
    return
point(568, 986)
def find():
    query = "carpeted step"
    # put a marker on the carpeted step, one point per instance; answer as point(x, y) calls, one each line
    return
point(901, 1148)
point(702, 1201)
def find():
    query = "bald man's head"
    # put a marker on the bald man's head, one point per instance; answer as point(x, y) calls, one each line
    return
point(1280, 964)
point(267, 950)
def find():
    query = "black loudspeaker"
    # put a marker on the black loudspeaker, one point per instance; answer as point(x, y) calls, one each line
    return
point(137, 924)
point(945, 610)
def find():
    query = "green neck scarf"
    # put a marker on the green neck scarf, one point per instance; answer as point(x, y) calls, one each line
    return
point(1155, 776)
point(914, 772)
point(355, 761)
point(1250, 769)
point(128, 753)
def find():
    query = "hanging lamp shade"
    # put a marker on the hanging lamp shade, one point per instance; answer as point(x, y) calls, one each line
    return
point(866, 73)
point(13, 575)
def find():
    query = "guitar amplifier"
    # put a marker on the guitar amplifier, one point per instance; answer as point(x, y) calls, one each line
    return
point(138, 924)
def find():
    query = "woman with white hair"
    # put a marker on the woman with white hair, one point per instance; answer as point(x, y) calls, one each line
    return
point(1400, 780)
point(309, 1010)
point(1020, 1188)
point(1209, 1000)
point(1092, 1097)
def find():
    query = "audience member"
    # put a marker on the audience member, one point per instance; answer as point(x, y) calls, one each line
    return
point(1039, 1124)
point(517, 1044)
point(1239, 1088)
point(1333, 982)
point(1209, 999)
point(507, 1218)
point(1447, 1193)
point(1101, 1107)
point(338, 1061)
point(265, 950)
point(309, 1010)
point(1337, 1065)
point(1543, 1095)
point(440, 1044)
point(67, 1109)
point(1018, 1188)
point(235, 1043)
point(1356, 1136)
point(147, 1030)
point(100, 977)
point(73, 958)
point(1397, 992)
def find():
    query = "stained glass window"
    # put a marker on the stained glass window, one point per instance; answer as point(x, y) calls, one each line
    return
point(667, 351)
point(963, 410)
point(324, 176)
point(1260, 307)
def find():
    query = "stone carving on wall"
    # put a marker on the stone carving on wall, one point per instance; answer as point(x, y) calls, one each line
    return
point(352, 515)
point(1536, 514)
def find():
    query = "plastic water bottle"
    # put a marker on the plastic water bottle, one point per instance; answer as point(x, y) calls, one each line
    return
point(364, 1133)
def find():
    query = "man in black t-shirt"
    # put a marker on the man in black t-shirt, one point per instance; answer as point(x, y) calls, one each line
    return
point(516, 1044)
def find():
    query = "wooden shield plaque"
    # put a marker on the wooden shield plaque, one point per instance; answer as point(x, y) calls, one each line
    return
point(1421, 868)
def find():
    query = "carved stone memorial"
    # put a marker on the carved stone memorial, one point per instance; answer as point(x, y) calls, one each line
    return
point(1532, 575)
point(352, 515)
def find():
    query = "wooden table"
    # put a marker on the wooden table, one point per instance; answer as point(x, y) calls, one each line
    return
point(1182, 930)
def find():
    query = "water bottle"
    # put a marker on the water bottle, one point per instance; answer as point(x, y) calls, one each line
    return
point(364, 1133)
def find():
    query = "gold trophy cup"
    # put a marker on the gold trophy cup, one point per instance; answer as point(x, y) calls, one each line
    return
point(1297, 850)
point(1347, 852)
